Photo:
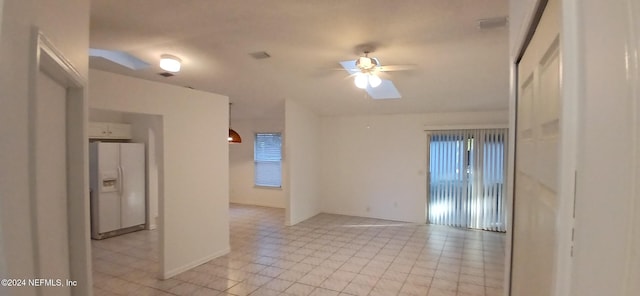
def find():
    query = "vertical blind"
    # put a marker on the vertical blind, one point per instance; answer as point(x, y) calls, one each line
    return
point(268, 159)
point(466, 184)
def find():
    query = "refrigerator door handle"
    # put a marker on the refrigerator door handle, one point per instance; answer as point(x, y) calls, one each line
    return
point(120, 180)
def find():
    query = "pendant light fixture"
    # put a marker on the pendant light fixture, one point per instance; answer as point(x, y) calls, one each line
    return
point(234, 137)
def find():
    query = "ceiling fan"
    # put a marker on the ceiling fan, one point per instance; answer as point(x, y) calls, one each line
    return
point(367, 71)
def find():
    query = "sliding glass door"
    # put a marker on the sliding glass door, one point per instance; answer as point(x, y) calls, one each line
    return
point(466, 178)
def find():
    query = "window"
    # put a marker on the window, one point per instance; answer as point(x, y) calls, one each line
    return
point(267, 156)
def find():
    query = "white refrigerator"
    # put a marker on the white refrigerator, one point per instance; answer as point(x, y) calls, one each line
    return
point(117, 178)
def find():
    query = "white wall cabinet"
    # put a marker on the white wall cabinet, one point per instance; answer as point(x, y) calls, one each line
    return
point(109, 130)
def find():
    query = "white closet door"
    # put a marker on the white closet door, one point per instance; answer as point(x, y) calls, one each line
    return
point(132, 205)
point(537, 150)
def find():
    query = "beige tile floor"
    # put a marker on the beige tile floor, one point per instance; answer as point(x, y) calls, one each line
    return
point(325, 255)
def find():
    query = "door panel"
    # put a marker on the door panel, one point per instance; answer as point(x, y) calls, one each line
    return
point(133, 187)
point(51, 182)
point(548, 114)
point(108, 202)
point(536, 169)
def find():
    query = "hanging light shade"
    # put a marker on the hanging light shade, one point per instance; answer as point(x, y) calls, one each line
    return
point(234, 137)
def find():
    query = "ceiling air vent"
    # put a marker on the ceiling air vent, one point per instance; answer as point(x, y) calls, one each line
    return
point(260, 55)
point(166, 74)
point(492, 23)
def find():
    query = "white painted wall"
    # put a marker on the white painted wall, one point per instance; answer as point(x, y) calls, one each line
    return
point(375, 166)
point(241, 165)
point(147, 129)
point(302, 165)
point(196, 162)
point(607, 154)
point(99, 115)
point(66, 23)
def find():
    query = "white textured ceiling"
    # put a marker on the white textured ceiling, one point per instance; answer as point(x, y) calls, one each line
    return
point(458, 66)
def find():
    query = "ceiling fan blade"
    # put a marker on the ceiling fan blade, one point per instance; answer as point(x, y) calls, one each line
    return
point(389, 68)
point(351, 75)
point(350, 66)
point(383, 75)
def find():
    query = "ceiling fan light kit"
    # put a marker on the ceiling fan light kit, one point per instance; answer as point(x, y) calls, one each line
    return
point(367, 72)
point(361, 80)
point(170, 63)
point(366, 63)
point(364, 79)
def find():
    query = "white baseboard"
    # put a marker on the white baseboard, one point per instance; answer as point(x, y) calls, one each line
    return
point(170, 273)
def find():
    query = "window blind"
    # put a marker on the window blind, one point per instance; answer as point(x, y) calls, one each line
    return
point(268, 159)
point(467, 178)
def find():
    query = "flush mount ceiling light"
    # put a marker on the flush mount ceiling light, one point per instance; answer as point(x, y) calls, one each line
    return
point(170, 63)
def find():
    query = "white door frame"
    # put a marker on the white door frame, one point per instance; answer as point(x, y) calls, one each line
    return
point(2, 253)
point(47, 58)
point(570, 93)
point(633, 285)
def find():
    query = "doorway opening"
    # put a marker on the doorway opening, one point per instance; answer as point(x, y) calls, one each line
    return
point(133, 257)
point(467, 178)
